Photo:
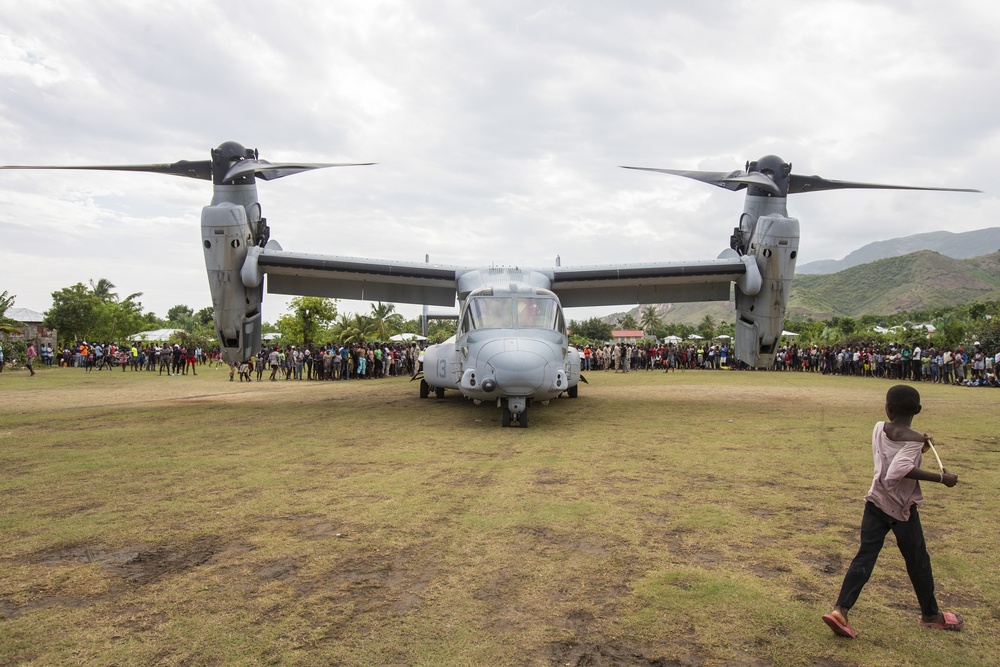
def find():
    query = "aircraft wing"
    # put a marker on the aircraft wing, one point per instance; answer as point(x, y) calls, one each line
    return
point(668, 282)
point(357, 278)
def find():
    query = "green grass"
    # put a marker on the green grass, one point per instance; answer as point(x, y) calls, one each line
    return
point(698, 518)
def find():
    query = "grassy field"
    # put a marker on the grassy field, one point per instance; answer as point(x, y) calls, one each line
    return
point(700, 518)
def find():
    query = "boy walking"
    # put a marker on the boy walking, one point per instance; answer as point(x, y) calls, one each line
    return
point(891, 504)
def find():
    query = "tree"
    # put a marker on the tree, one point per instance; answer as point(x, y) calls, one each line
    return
point(950, 330)
point(353, 329)
point(650, 320)
point(7, 325)
point(73, 312)
point(977, 310)
point(627, 321)
point(988, 334)
point(308, 320)
point(102, 289)
point(117, 319)
point(725, 328)
point(205, 316)
point(179, 314)
point(847, 325)
point(594, 329)
point(387, 321)
point(438, 331)
point(706, 328)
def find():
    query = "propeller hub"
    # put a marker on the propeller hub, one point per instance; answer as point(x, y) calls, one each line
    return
point(775, 169)
point(223, 159)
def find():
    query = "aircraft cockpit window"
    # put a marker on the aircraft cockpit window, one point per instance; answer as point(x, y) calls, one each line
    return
point(490, 312)
point(539, 313)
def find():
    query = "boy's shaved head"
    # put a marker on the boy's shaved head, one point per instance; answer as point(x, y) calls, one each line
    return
point(903, 400)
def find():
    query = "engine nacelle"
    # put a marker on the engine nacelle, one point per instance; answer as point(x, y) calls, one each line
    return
point(760, 318)
point(226, 235)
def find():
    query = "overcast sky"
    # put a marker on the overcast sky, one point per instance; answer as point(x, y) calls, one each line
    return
point(497, 127)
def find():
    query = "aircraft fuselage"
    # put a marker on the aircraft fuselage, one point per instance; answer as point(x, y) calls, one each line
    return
point(511, 347)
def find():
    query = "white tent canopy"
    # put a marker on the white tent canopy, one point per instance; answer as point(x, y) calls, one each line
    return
point(154, 335)
point(788, 333)
point(673, 339)
point(403, 337)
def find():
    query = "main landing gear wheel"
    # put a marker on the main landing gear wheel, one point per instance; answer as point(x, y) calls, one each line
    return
point(425, 389)
point(573, 391)
point(505, 417)
point(439, 392)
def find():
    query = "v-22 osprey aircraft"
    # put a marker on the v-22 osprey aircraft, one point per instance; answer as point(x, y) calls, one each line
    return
point(511, 345)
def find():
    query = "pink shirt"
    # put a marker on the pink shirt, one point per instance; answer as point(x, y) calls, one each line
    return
point(892, 492)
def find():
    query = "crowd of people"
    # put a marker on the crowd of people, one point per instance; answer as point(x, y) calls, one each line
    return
point(938, 365)
point(326, 362)
point(174, 359)
point(957, 366)
point(898, 362)
point(357, 361)
point(627, 357)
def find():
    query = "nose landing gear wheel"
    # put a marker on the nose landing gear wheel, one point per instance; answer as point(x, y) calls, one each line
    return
point(507, 416)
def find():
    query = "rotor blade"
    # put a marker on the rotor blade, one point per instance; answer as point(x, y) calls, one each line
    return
point(272, 170)
point(190, 168)
point(797, 183)
point(733, 180)
point(718, 178)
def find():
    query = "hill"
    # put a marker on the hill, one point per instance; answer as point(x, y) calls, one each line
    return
point(918, 281)
point(963, 245)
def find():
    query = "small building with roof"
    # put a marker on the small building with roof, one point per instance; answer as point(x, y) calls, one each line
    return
point(34, 330)
point(627, 335)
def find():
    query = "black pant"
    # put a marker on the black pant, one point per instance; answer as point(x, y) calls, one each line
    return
point(909, 538)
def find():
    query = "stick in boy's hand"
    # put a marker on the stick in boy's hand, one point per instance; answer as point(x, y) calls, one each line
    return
point(947, 478)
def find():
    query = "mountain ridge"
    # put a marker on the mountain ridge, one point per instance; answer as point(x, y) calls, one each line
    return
point(957, 245)
point(922, 280)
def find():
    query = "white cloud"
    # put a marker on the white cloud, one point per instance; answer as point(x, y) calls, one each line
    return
point(498, 127)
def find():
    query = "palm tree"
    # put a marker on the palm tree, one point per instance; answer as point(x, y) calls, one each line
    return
point(7, 324)
point(355, 328)
point(102, 289)
point(650, 319)
point(707, 327)
point(387, 321)
point(627, 321)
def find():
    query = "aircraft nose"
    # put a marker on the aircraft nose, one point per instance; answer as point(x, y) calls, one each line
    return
point(518, 372)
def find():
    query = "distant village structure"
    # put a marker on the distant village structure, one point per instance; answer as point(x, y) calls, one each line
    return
point(33, 330)
point(627, 335)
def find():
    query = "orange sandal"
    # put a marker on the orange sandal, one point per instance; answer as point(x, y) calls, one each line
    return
point(839, 625)
point(949, 621)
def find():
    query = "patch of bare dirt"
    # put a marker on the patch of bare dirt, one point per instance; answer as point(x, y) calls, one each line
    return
point(137, 564)
point(597, 655)
point(126, 567)
point(379, 583)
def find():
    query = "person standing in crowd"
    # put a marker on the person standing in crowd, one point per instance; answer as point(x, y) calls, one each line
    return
point(274, 359)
